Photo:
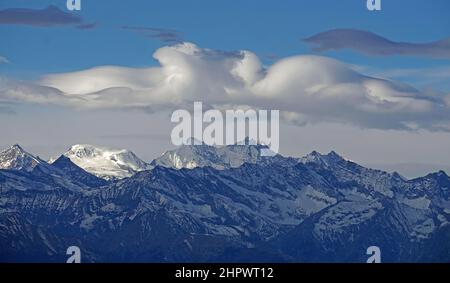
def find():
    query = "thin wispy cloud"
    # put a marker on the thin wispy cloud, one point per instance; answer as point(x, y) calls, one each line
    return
point(373, 44)
point(434, 79)
point(433, 73)
point(48, 17)
point(87, 26)
point(3, 60)
point(161, 34)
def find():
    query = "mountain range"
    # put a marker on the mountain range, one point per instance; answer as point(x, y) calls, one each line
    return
point(216, 204)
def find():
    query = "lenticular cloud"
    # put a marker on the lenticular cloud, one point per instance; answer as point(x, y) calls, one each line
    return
point(307, 89)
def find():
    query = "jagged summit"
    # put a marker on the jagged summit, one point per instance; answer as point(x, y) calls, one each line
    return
point(17, 147)
point(323, 159)
point(17, 158)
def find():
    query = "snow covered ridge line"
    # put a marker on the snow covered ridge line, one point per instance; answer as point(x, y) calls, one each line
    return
point(105, 163)
point(114, 164)
point(234, 120)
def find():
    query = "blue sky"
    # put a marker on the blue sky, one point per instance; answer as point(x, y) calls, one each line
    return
point(400, 93)
point(268, 28)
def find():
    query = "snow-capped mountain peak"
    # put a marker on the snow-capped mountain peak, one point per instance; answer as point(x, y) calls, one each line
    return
point(218, 157)
point(17, 158)
point(84, 150)
point(106, 163)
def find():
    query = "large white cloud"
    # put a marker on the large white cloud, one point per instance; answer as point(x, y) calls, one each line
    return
point(305, 88)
